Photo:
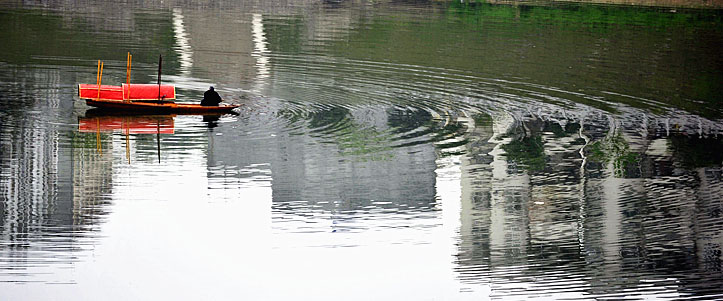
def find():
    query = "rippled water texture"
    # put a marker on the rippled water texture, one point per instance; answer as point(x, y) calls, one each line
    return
point(384, 151)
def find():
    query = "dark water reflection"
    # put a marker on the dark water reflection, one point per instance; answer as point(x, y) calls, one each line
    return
point(384, 151)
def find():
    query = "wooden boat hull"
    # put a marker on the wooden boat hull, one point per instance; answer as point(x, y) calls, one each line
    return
point(160, 107)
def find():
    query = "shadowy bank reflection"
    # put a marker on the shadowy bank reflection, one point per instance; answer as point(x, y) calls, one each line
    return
point(605, 207)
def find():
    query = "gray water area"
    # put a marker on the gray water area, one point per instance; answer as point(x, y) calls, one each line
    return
point(384, 150)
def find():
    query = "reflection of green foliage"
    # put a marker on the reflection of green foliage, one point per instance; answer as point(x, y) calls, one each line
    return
point(366, 142)
point(625, 162)
point(446, 132)
point(333, 116)
point(482, 119)
point(410, 122)
point(291, 116)
point(707, 86)
point(616, 150)
point(284, 36)
point(580, 40)
point(353, 140)
point(27, 33)
point(696, 152)
point(596, 152)
point(403, 121)
point(528, 151)
point(557, 130)
point(595, 17)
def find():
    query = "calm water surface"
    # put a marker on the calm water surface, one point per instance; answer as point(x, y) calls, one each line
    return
point(384, 151)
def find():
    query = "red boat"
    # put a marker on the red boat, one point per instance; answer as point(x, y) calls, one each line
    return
point(141, 97)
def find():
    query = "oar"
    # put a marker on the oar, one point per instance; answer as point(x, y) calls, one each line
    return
point(160, 62)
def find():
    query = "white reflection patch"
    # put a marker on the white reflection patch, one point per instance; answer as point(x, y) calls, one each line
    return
point(183, 47)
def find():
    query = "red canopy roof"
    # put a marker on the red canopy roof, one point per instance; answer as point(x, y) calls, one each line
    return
point(130, 92)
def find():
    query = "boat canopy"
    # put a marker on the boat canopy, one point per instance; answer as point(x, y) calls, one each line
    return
point(130, 92)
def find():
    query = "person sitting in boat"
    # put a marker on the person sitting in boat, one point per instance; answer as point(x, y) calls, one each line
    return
point(211, 98)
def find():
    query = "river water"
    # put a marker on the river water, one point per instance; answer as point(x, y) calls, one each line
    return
point(385, 150)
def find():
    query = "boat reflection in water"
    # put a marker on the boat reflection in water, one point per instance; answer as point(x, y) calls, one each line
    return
point(128, 124)
point(97, 121)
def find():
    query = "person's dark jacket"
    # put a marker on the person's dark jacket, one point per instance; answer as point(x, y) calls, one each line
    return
point(211, 98)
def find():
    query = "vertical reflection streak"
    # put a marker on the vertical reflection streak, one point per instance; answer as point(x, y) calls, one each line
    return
point(610, 203)
point(183, 47)
point(508, 198)
point(449, 193)
point(260, 51)
point(581, 187)
point(501, 125)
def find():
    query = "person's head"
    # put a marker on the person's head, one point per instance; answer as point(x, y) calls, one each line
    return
point(211, 88)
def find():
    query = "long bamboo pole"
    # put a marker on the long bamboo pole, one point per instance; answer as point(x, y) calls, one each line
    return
point(100, 78)
point(97, 74)
point(123, 91)
point(128, 65)
point(97, 80)
point(128, 75)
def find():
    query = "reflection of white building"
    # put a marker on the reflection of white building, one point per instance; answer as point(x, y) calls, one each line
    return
point(593, 219)
point(709, 208)
point(680, 226)
point(317, 168)
point(50, 183)
point(92, 179)
point(475, 229)
point(220, 45)
point(494, 229)
point(509, 201)
point(32, 192)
